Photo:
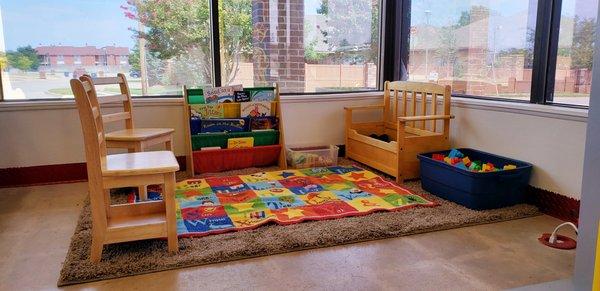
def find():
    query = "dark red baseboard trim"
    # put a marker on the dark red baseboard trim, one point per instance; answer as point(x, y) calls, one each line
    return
point(47, 174)
point(554, 204)
point(50, 174)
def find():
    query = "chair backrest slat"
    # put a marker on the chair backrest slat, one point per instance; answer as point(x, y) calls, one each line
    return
point(108, 80)
point(112, 117)
point(423, 107)
point(410, 93)
point(112, 98)
point(124, 97)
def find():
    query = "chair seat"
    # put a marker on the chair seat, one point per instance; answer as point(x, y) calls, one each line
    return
point(137, 134)
point(158, 162)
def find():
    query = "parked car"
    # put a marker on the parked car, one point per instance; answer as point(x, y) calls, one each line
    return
point(135, 74)
point(78, 73)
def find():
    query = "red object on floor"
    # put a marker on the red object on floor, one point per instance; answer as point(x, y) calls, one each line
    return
point(562, 242)
point(211, 161)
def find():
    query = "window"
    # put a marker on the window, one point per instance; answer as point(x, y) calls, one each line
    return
point(507, 50)
point(573, 74)
point(482, 48)
point(44, 52)
point(306, 45)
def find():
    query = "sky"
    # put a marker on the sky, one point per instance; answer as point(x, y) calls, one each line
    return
point(66, 22)
point(54, 22)
point(102, 23)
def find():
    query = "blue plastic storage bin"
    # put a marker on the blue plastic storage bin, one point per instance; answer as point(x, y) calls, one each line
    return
point(472, 189)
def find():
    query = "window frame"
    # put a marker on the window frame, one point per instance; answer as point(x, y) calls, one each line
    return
point(394, 46)
point(216, 53)
point(544, 61)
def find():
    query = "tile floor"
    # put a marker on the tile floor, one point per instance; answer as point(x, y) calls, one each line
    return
point(36, 224)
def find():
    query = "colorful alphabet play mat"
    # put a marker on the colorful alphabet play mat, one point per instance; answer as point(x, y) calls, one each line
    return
point(221, 204)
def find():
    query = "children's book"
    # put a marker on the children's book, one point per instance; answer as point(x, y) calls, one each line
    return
point(262, 94)
point(255, 109)
point(214, 110)
point(241, 96)
point(240, 142)
point(223, 125)
point(264, 123)
point(221, 94)
point(195, 96)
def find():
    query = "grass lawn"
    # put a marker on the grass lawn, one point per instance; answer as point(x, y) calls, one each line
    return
point(156, 90)
point(61, 91)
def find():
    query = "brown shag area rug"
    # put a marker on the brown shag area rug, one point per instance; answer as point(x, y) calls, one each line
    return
point(134, 258)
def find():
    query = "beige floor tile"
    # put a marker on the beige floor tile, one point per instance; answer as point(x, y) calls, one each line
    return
point(36, 224)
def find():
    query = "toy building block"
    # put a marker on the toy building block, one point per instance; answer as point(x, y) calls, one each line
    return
point(509, 167)
point(475, 166)
point(461, 165)
point(488, 167)
point(466, 161)
point(438, 157)
point(454, 153)
point(455, 161)
point(448, 160)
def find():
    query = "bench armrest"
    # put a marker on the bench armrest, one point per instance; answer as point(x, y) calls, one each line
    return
point(424, 117)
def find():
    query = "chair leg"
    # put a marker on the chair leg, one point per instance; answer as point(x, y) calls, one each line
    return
point(169, 145)
point(169, 198)
point(142, 190)
point(96, 249)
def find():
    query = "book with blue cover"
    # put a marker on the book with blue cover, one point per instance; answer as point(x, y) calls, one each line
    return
point(224, 125)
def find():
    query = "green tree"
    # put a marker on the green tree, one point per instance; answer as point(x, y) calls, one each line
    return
point(179, 31)
point(155, 67)
point(347, 19)
point(134, 58)
point(465, 19)
point(24, 58)
point(582, 51)
point(311, 55)
point(447, 51)
point(3, 61)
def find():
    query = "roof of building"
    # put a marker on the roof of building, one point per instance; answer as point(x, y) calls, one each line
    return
point(82, 51)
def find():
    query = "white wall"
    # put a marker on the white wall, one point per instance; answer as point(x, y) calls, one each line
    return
point(554, 146)
point(34, 136)
point(550, 138)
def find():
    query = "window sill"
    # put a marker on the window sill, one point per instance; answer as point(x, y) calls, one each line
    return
point(332, 97)
point(549, 111)
point(70, 104)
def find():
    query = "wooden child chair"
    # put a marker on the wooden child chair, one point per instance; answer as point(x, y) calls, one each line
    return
point(124, 222)
point(409, 126)
point(131, 138)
